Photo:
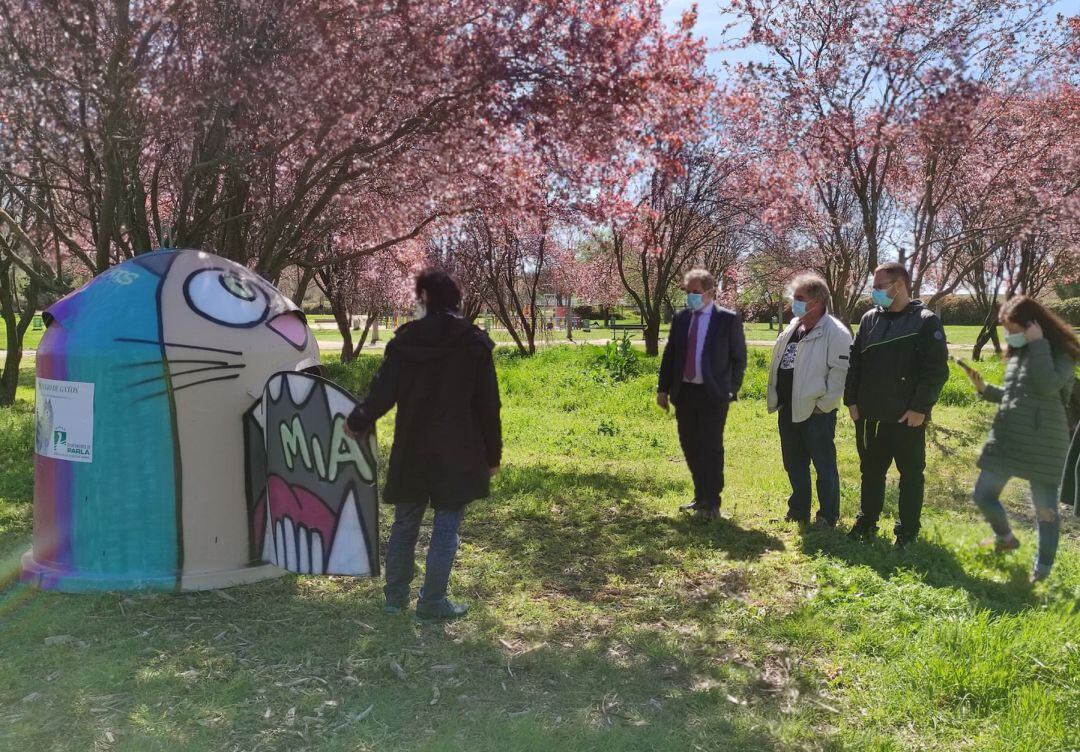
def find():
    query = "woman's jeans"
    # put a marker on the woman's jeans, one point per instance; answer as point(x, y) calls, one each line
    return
point(813, 440)
point(1044, 496)
point(401, 552)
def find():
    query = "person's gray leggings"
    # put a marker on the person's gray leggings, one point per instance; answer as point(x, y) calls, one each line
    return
point(401, 553)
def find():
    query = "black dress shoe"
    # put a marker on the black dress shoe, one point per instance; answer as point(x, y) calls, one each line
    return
point(791, 517)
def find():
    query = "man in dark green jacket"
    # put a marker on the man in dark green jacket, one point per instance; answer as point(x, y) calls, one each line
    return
point(899, 364)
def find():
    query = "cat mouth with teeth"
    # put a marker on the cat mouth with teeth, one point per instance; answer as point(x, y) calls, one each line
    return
point(214, 454)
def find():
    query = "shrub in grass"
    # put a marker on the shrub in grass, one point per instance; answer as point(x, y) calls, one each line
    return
point(355, 376)
point(1068, 309)
point(619, 361)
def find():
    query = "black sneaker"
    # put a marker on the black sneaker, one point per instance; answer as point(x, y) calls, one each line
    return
point(443, 610)
point(707, 513)
point(862, 532)
point(822, 523)
point(792, 517)
point(903, 541)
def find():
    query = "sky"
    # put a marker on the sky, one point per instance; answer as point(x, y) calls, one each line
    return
point(711, 24)
point(712, 21)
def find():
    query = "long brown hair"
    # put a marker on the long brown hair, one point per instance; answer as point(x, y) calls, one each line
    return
point(1023, 310)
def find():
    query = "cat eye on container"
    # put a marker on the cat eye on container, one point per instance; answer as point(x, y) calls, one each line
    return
point(227, 298)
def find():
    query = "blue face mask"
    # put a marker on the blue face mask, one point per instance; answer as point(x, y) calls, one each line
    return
point(881, 298)
point(1016, 339)
point(798, 307)
point(694, 301)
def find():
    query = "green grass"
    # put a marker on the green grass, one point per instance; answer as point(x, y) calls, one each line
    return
point(603, 619)
point(30, 341)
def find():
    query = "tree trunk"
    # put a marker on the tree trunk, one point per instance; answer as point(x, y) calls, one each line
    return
point(368, 321)
point(302, 286)
point(17, 322)
point(344, 325)
point(988, 333)
point(652, 336)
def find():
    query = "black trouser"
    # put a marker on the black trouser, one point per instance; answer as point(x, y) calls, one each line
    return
point(701, 434)
point(879, 444)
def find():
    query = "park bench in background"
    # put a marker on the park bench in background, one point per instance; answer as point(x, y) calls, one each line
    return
point(616, 326)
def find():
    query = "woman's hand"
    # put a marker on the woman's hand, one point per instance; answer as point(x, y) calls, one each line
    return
point(1033, 331)
point(976, 380)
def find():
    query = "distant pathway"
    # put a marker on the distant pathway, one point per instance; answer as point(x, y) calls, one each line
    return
point(335, 345)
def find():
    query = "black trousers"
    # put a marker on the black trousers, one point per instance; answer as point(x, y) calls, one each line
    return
point(701, 434)
point(879, 445)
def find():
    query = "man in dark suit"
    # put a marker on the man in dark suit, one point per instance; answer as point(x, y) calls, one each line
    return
point(700, 373)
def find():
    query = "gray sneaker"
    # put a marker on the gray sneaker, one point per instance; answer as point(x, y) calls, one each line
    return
point(443, 610)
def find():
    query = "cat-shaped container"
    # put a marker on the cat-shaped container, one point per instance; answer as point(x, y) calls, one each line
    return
point(147, 377)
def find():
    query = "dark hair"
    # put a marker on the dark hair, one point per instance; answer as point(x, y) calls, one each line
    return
point(896, 271)
point(1023, 310)
point(443, 294)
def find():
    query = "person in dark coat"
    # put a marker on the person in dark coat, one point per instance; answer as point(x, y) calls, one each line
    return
point(1029, 438)
point(898, 366)
point(439, 372)
point(700, 373)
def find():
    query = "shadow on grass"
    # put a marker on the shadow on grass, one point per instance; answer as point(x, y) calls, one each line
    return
point(935, 564)
point(295, 662)
point(581, 529)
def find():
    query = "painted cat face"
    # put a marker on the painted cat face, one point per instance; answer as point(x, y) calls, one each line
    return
point(176, 344)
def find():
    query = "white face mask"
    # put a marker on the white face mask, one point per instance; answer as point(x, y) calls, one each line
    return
point(420, 310)
point(1016, 339)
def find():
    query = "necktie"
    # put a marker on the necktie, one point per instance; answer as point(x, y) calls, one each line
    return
point(690, 369)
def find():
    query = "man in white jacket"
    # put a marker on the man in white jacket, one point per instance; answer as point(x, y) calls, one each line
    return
point(806, 385)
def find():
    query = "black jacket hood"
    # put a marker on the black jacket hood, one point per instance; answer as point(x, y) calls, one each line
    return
point(437, 336)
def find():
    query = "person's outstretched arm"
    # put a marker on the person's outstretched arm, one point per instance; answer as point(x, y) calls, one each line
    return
point(381, 395)
point(992, 393)
point(488, 407)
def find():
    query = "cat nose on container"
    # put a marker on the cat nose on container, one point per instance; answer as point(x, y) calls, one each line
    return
point(291, 326)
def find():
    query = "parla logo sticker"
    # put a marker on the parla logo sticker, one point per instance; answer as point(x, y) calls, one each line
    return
point(64, 420)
